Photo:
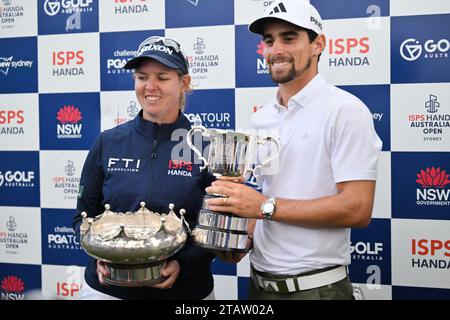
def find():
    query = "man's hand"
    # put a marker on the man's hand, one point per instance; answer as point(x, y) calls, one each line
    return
point(171, 271)
point(241, 200)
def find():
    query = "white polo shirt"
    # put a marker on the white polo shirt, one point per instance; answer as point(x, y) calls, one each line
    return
point(327, 136)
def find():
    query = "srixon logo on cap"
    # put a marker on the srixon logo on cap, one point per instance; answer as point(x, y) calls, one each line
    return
point(156, 47)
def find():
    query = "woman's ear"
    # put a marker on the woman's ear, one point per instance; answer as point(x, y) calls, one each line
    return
point(186, 82)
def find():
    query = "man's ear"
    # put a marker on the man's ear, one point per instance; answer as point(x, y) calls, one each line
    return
point(320, 43)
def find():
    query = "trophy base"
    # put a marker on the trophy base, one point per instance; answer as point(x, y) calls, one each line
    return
point(139, 275)
point(220, 240)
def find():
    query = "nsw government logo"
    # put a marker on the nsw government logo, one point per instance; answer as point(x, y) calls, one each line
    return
point(261, 63)
point(69, 126)
point(12, 288)
point(434, 187)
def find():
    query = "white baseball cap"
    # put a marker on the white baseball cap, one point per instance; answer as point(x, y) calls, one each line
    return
point(298, 12)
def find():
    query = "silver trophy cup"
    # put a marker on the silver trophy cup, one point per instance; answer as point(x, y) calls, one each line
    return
point(133, 245)
point(230, 154)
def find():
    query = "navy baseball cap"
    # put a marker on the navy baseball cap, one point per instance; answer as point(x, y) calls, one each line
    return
point(162, 49)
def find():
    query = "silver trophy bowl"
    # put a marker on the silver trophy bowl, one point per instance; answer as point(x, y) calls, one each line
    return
point(133, 245)
point(231, 154)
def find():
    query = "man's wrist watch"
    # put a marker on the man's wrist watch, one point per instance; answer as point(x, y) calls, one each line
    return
point(268, 208)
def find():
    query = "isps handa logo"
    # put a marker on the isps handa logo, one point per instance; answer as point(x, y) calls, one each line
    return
point(69, 125)
point(434, 187)
point(12, 288)
point(180, 168)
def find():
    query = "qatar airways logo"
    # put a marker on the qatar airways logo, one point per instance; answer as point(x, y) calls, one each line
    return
point(434, 187)
point(430, 253)
point(69, 126)
point(412, 49)
point(12, 288)
point(348, 52)
point(12, 122)
point(125, 7)
point(261, 62)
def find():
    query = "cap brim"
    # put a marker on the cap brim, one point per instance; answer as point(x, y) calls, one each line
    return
point(135, 62)
point(257, 25)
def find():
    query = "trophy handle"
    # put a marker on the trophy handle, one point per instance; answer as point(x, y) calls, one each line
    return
point(267, 161)
point(189, 142)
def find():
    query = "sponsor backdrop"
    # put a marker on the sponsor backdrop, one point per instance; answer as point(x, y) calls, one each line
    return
point(61, 83)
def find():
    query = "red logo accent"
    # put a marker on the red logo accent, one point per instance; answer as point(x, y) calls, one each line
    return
point(260, 50)
point(12, 284)
point(433, 178)
point(69, 114)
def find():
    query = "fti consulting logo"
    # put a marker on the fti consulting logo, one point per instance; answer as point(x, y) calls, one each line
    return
point(18, 69)
point(420, 49)
point(69, 123)
point(19, 178)
point(421, 185)
point(198, 109)
point(64, 16)
point(433, 124)
point(60, 245)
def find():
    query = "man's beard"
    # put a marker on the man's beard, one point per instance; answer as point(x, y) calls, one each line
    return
point(291, 74)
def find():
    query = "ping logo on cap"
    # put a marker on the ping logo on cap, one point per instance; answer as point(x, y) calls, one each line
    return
point(279, 8)
point(317, 23)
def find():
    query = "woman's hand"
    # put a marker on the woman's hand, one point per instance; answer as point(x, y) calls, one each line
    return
point(171, 271)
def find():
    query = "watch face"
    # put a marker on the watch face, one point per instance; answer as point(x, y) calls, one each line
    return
point(268, 207)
